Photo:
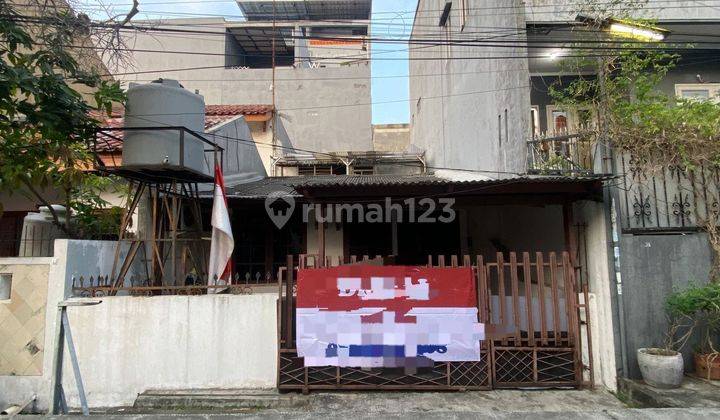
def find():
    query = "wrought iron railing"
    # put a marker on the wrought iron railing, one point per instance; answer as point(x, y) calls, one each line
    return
point(565, 154)
point(671, 198)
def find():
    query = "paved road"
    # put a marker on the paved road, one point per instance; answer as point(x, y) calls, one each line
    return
point(614, 414)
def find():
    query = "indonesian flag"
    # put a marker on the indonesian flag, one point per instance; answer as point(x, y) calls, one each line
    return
point(387, 316)
point(222, 242)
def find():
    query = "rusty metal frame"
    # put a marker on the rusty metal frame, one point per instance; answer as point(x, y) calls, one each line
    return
point(536, 357)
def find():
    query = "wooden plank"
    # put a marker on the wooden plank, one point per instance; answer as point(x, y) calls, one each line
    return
point(527, 274)
point(321, 236)
point(288, 302)
point(501, 288)
point(540, 268)
point(588, 329)
point(515, 290)
point(557, 337)
point(570, 309)
point(483, 290)
point(132, 252)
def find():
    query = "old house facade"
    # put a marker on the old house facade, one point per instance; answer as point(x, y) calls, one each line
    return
point(540, 245)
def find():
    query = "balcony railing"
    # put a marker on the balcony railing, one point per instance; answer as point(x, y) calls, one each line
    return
point(671, 198)
point(571, 154)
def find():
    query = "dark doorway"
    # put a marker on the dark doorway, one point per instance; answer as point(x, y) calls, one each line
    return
point(418, 240)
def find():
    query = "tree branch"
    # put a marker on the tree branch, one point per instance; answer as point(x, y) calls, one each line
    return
point(134, 11)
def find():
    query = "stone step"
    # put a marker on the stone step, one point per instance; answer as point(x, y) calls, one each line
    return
point(217, 399)
point(694, 392)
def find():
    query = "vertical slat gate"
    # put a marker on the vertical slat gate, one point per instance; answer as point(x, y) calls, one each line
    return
point(536, 341)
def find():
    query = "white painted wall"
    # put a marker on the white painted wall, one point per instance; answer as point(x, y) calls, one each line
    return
point(127, 345)
point(601, 285)
point(473, 113)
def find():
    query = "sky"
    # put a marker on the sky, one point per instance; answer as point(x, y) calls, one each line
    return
point(391, 18)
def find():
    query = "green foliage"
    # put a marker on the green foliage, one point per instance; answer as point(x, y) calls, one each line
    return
point(694, 300)
point(636, 116)
point(46, 127)
point(701, 306)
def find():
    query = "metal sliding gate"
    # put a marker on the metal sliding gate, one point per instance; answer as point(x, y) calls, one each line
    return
point(530, 342)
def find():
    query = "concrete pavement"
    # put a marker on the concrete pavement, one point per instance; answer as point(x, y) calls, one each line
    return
point(614, 414)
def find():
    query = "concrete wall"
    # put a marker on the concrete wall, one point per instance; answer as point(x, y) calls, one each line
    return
point(13, 388)
point(652, 266)
point(472, 113)
point(538, 11)
point(262, 134)
point(127, 345)
point(391, 137)
point(310, 101)
point(92, 259)
point(600, 280)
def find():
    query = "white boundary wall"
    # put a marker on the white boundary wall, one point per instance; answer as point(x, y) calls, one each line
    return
point(127, 345)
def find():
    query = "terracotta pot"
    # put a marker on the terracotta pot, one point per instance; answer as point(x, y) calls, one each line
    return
point(661, 368)
point(705, 363)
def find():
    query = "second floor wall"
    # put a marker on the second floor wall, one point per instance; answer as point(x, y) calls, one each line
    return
point(322, 109)
point(469, 102)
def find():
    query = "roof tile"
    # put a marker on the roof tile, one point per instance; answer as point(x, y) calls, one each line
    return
point(214, 115)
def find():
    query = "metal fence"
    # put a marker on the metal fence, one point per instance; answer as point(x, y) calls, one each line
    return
point(528, 303)
point(672, 198)
point(568, 154)
point(663, 199)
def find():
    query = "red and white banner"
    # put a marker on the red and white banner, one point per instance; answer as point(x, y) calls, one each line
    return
point(392, 316)
point(222, 242)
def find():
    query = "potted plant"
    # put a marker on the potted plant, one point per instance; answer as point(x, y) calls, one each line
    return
point(663, 367)
point(697, 308)
point(703, 303)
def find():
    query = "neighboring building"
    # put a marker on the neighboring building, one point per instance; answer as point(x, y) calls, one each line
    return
point(322, 68)
point(17, 204)
point(391, 137)
point(653, 214)
point(468, 108)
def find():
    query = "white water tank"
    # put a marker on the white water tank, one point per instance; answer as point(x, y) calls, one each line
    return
point(39, 232)
point(164, 103)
